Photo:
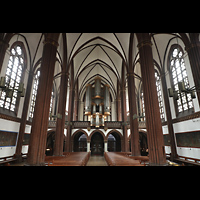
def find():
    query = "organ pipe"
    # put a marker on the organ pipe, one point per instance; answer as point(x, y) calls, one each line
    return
point(88, 100)
point(97, 103)
point(106, 100)
point(97, 90)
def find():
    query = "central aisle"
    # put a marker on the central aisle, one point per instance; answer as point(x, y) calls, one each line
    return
point(97, 161)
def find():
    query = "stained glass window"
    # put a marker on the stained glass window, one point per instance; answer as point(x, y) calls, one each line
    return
point(13, 76)
point(34, 94)
point(179, 74)
point(142, 104)
point(160, 100)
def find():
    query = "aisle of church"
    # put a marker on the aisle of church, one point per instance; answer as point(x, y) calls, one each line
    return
point(97, 161)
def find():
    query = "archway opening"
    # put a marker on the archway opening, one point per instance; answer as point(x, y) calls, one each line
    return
point(97, 144)
point(114, 142)
point(143, 144)
point(80, 142)
point(50, 143)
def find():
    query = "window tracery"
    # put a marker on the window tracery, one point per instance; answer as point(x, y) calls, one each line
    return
point(13, 77)
point(179, 74)
point(160, 99)
point(34, 94)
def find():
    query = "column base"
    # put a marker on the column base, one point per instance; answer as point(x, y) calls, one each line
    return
point(156, 164)
point(19, 158)
point(38, 164)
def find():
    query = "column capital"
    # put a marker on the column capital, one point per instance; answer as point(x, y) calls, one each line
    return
point(130, 74)
point(144, 43)
point(4, 43)
point(51, 41)
point(122, 90)
point(192, 45)
point(106, 85)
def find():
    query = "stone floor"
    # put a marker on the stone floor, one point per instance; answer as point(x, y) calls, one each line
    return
point(97, 161)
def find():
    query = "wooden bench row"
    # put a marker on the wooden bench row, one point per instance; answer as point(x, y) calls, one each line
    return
point(121, 159)
point(6, 160)
point(143, 159)
point(68, 159)
point(187, 160)
point(183, 160)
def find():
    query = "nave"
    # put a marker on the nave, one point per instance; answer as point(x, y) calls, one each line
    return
point(99, 93)
point(97, 161)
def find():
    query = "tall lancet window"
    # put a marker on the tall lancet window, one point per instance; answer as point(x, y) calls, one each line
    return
point(13, 77)
point(179, 74)
point(160, 100)
point(34, 95)
point(142, 104)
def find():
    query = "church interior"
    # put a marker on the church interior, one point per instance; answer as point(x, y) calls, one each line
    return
point(105, 99)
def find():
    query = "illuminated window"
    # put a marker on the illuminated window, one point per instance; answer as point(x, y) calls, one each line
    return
point(179, 74)
point(51, 105)
point(160, 100)
point(142, 104)
point(14, 74)
point(34, 94)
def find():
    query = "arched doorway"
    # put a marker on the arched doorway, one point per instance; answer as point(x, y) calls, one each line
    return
point(114, 142)
point(80, 142)
point(143, 143)
point(97, 144)
point(50, 143)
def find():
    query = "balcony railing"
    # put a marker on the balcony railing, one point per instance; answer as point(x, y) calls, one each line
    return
point(113, 124)
point(108, 124)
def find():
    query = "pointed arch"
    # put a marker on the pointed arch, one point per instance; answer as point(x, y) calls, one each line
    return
point(95, 131)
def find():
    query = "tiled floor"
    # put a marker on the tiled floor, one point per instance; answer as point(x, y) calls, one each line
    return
point(97, 161)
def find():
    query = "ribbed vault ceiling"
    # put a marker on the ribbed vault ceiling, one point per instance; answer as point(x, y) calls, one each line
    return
point(99, 54)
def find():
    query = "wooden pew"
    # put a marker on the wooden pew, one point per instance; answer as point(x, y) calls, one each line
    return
point(68, 159)
point(143, 159)
point(120, 159)
point(6, 160)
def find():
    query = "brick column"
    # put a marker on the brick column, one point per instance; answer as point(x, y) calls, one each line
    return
point(60, 123)
point(37, 145)
point(124, 114)
point(68, 147)
point(153, 122)
point(24, 117)
point(135, 145)
point(194, 57)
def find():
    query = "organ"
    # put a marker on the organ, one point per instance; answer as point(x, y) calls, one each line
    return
point(97, 103)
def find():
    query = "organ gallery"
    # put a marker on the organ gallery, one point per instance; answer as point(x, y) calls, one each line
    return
point(97, 103)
